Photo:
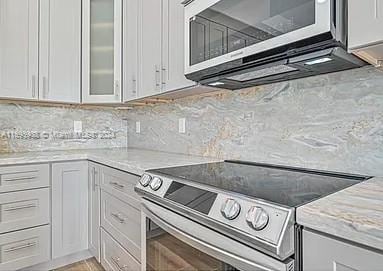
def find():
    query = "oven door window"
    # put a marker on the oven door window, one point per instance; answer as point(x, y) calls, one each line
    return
point(231, 25)
point(164, 252)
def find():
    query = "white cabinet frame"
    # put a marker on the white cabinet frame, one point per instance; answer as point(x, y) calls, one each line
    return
point(87, 97)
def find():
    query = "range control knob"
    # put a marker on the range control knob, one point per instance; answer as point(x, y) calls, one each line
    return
point(156, 183)
point(145, 180)
point(230, 209)
point(257, 218)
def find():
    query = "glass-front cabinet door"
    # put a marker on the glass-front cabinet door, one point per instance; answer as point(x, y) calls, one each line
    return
point(102, 30)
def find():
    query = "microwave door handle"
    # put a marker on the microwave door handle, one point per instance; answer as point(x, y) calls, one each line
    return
point(214, 251)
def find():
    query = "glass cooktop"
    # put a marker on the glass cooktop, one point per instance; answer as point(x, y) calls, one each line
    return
point(290, 187)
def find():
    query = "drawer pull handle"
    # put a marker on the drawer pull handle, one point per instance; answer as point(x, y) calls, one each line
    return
point(118, 218)
point(117, 185)
point(21, 247)
point(21, 207)
point(19, 179)
point(116, 262)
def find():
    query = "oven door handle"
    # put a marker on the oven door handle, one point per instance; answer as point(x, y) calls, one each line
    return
point(250, 260)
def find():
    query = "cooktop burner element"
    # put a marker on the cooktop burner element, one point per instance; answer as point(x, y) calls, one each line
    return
point(280, 185)
point(252, 203)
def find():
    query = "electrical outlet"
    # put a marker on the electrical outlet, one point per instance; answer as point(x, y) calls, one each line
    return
point(182, 126)
point(138, 127)
point(77, 126)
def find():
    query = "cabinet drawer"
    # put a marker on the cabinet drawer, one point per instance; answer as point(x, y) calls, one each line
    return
point(123, 222)
point(15, 178)
point(120, 184)
point(24, 248)
point(114, 257)
point(24, 209)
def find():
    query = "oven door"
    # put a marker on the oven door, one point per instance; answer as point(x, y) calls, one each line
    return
point(220, 31)
point(173, 242)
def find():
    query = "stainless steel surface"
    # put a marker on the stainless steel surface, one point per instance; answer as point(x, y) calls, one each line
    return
point(211, 242)
point(257, 218)
point(249, 203)
point(277, 239)
point(230, 209)
point(322, 25)
point(156, 183)
point(145, 180)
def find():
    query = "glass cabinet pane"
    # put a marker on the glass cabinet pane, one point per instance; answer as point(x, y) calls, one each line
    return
point(231, 25)
point(101, 47)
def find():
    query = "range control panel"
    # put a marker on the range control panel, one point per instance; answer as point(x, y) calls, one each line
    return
point(256, 218)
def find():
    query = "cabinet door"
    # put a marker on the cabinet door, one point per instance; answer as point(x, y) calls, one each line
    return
point(130, 41)
point(94, 210)
point(19, 48)
point(150, 48)
point(322, 253)
point(60, 51)
point(173, 59)
point(69, 208)
point(365, 21)
point(102, 46)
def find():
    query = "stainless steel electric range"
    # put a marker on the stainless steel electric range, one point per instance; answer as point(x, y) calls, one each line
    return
point(230, 215)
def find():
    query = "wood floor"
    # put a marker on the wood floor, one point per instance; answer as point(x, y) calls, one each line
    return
point(86, 265)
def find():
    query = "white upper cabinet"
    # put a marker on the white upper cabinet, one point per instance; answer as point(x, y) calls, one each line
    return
point(102, 51)
point(60, 51)
point(130, 49)
point(150, 47)
point(173, 58)
point(365, 34)
point(160, 49)
point(19, 49)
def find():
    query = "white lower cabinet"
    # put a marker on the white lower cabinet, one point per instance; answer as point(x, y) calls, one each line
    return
point(123, 222)
point(323, 253)
point(69, 208)
point(94, 210)
point(24, 248)
point(114, 257)
point(24, 209)
point(120, 220)
point(16, 178)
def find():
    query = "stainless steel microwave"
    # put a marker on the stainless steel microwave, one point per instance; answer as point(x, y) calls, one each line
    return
point(239, 43)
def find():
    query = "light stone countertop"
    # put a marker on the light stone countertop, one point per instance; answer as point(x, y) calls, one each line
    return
point(135, 161)
point(354, 214)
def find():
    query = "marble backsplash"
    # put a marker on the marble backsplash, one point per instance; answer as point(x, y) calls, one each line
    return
point(38, 128)
point(330, 122)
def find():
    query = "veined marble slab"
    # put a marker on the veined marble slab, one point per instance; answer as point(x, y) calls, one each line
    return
point(355, 214)
point(135, 161)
